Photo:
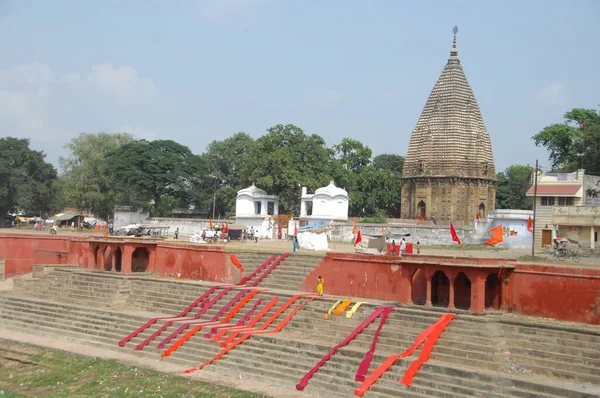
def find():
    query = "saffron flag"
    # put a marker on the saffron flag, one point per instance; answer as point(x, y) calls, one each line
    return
point(358, 238)
point(295, 229)
point(529, 225)
point(105, 233)
point(354, 227)
point(454, 235)
point(210, 225)
point(477, 217)
point(496, 237)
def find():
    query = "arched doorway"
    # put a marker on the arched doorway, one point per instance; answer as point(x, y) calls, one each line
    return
point(462, 291)
point(440, 289)
point(117, 258)
point(108, 259)
point(481, 210)
point(140, 260)
point(97, 257)
point(421, 210)
point(492, 291)
point(418, 287)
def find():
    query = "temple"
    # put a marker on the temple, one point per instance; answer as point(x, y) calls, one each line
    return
point(449, 170)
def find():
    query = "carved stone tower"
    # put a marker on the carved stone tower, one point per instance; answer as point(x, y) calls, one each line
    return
point(449, 170)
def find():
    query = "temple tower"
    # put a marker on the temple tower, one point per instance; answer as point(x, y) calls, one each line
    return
point(449, 170)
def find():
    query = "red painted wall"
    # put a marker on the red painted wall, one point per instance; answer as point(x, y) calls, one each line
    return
point(565, 293)
point(356, 275)
point(207, 263)
point(20, 251)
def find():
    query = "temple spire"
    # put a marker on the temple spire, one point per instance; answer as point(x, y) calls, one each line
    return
point(454, 51)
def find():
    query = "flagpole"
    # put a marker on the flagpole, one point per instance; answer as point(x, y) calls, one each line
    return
point(534, 205)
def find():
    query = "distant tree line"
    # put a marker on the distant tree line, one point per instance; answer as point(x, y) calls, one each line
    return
point(104, 170)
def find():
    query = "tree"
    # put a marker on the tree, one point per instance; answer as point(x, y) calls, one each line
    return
point(575, 143)
point(352, 155)
point(376, 191)
point(163, 172)
point(512, 186)
point(25, 179)
point(385, 161)
point(285, 159)
point(85, 182)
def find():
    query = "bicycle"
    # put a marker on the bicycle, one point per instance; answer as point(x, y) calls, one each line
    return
point(561, 255)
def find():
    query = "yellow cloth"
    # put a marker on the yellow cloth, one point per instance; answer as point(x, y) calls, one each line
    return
point(320, 286)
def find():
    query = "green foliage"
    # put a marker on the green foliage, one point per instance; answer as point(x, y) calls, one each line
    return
point(162, 171)
point(574, 143)
point(285, 159)
point(390, 162)
point(378, 218)
point(352, 155)
point(25, 179)
point(512, 188)
point(85, 183)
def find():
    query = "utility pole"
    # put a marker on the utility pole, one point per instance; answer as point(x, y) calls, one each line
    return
point(214, 202)
point(534, 205)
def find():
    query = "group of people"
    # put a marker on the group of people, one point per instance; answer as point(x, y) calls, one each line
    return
point(403, 246)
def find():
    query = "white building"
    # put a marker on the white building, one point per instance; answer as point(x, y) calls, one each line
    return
point(514, 227)
point(564, 208)
point(254, 208)
point(127, 215)
point(327, 204)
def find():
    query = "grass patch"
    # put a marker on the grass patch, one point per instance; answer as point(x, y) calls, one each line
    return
point(467, 247)
point(533, 259)
point(65, 375)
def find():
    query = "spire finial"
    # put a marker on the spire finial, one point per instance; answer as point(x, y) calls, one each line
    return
point(454, 51)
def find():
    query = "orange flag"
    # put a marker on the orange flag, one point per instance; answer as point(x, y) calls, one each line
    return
point(295, 229)
point(210, 225)
point(529, 225)
point(496, 237)
point(358, 238)
point(354, 227)
point(454, 234)
point(105, 233)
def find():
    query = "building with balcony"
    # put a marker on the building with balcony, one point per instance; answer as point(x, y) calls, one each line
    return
point(567, 207)
point(255, 209)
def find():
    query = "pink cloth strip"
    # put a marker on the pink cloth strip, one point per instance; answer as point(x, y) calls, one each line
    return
point(363, 368)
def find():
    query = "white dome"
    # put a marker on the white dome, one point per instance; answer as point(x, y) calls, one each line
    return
point(331, 190)
point(252, 190)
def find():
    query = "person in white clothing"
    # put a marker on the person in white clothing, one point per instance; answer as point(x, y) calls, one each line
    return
point(403, 246)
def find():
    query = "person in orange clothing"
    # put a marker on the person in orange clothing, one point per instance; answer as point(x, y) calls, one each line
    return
point(320, 285)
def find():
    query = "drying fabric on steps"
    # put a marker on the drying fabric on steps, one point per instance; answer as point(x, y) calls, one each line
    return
point(332, 308)
point(169, 323)
point(247, 335)
point(363, 368)
point(269, 270)
point(342, 307)
point(266, 323)
point(354, 309)
point(377, 373)
point(253, 322)
point(236, 262)
point(214, 319)
point(304, 381)
point(183, 313)
point(257, 271)
point(243, 320)
point(426, 350)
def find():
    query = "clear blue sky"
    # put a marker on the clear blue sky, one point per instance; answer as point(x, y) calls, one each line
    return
point(196, 71)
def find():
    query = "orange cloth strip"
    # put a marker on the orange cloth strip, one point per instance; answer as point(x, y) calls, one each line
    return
point(377, 373)
point(253, 322)
point(230, 315)
point(265, 323)
point(426, 350)
point(245, 336)
point(342, 307)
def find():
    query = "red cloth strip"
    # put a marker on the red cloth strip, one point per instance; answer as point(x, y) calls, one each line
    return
point(304, 381)
point(265, 323)
point(253, 322)
point(257, 271)
point(377, 373)
point(183, 313)
point(269, 270)
point(426, 350)
point(363, 368)
point(239, 323)
point(169, 323)
point(215, 318)
point(248, 335)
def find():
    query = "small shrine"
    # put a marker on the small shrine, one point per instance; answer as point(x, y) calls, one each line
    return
point(327, 204)
point(255, 209)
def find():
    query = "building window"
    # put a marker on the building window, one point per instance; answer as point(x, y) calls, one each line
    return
point(547, 200)
point(565, 201)
point(421, 165)
point(484, 167)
